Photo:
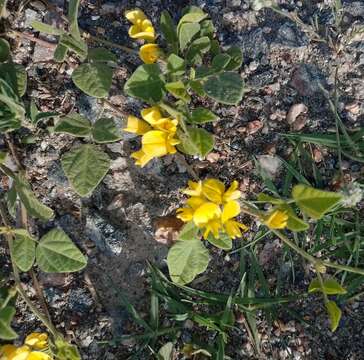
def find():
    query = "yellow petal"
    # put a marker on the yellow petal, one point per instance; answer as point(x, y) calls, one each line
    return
point(154, 143)
point(166, 124)
point(277, 220)
point(213, 189)
point(134, 15)
point(151, 115)
point(136, 126)
point(37, 355)
point(206, 212)
point(137, 32)
point(232, 193)
point(194, 188)
point(149, 53)
point(233, 228)
point(37, 340)
point(214, 227)
point(185, 214)
point(195, 202)
point(21, 353)
point(141, 158)
point(231, 209)
point(6, 351)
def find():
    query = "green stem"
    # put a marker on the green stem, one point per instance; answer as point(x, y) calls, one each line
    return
point(112, 44)
point(321, 281)
point(318, 263)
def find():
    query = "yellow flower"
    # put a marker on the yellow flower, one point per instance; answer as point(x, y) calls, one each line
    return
point(38, 341)
point(212, 208)
point(155, 143)
point(21, 353)
point(276, 220)
point(149, 53)
point(214, 190)
point(142, 28)
point(158, 135)
point(136, 126)
point(232, 227)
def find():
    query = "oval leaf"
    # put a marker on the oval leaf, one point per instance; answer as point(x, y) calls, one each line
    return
point(315, 203)
point(187, 259)
point(34, 207)
point(23, 250)
point(4, 50)
point(146, 83)
point(93, 79)
point(226, 88)
point(223, 241)
point(73, 124)
point(186, 32)
point(334, 314)
point(105, 131)
point(189, 231)
point(57, 253)
point(85, 167)
point(330, 287)
point(6, 315)
point(202, 115)
point(197, 142)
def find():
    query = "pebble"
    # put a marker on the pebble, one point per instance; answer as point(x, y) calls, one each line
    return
point(295, 111)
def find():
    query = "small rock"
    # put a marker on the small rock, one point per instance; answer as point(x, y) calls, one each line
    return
point(254, 45)
point(353, 108)
point(317, 155)
point(295, 111)
point(300, 123)
point(167, 229)
point(290, 36)
point(306, 79)
point(270, 164)
point(254, 126)
point(213, 157)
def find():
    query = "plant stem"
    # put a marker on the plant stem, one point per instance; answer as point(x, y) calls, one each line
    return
point(318, 263)
point(18, 284)
point(111, 44)
point(44, 43)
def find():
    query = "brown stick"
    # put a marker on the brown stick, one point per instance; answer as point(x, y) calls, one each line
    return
point(32, 38)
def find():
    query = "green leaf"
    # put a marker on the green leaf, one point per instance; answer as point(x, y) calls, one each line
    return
point(197, 87)
point(168, 29)
point(197, 142)
point(66, 351)
point(315, 203)
point(34, 207)
point(3, 156)
point(223, 241)
point(166, 352)
point(4, 50)
point(85, 167)
point(186, 33)
point(330, 287)
point(334, 314)
point(187, 259)
point(197, 48)
point(192, 17)
point(93, 79)
point(270, 199)
point(207, 28)
point(201, 115)
point(6, 316)
point(236, 58)
point(146, 83)
point(57, 253)
point(23, 250)
point(176, 65)
point(220, 61)
point(77, 45)
point(36, 116)
point(178, 90)
point(105, 131)
point(60, 53)
point(73, 124)
point(72, 18)
point(294, 223)
point(21, 79)
point(101, 55)
point(45, 28)
point(226, 88)
point(189, 232)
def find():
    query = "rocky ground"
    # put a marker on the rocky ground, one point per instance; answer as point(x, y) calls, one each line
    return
point(283, 67)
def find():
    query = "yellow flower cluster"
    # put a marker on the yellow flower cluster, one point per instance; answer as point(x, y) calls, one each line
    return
point(29, 351)
point(213, 208)
point(158, 135)
point(142, 28)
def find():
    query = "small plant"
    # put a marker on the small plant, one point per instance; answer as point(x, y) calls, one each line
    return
point(192, 62)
